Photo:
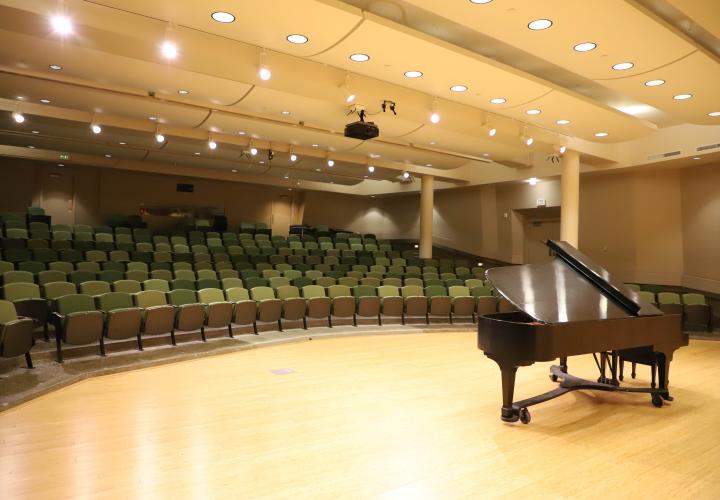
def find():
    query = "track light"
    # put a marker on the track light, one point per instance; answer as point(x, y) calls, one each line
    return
point(492, 132)
point(406, 175)
point(563, 149)
point(529, 141)
point(293, 157)
point(271, 154)
point(61, 25)
point(96, 129)
point(331, 163)
point(158, 136)
point(348, 94)
point(169, 50)
point(371, 169)
point(434, 115)
point(18, 117)
point(253, 151)
point(532, 181)
point(263, 71)
point(212, 144)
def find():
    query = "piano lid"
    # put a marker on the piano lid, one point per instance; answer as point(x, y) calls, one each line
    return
point(570, 288)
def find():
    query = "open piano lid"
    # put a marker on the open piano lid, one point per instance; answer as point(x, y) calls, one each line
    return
point(570, 288)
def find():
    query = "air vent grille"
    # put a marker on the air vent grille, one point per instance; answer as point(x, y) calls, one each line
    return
point(664, 155)
point(709, 146)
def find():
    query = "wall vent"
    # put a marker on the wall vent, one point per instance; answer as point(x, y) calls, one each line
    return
point(664, 155)
point(709, 146)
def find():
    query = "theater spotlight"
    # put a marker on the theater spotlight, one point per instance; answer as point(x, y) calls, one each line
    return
point(18, 117)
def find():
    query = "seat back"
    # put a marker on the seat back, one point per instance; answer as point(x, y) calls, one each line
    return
point(237, 294)
point(287, 292)
point(17, 277)
point(412, 291)
point(181, 297)
point(388, 291)
point(20, 291)
point(150, 298)
point(436, 291)
point(693, 299)
point(262, 293)
point(668, 298)
point(127, 286)
point(114, 300)
point(68, 304)
point(364, 291)
point(313, 291)
point(339, 291)
point(459, 291)
point(52, 291)
point(210, 295)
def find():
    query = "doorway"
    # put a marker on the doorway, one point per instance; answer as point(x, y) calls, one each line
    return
point(58, 197)
point(281, 215)
point(539, 225)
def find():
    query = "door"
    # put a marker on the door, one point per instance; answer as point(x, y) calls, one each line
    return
point(58, 195)
point(281, 215)
point(536, 233)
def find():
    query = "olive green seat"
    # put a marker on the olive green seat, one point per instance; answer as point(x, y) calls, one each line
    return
point(348, 281)
point(414, 282)
point(254, 282)
point(181, 284)
point(123, 319)
point(269, 307)
point(278, 281)
point(127, 286)
point(439, 303)
point(325, 281)
point(156, 284)
point(367, 302)
point(463, 303)
point(52, 291)
point(416, 304)
point(228, 283)
point(319, 305)
point(6, 267)
point(343, 302)
point(32, 266)
point(28, 303)
point(88, 267)
point(95, 287)
point(227, 273)
point(16, 333)
point(218, 310)
point(698, 314)
point(137, 275)
point(633, 286)
point(396, 282)
point(244, 309)
point(79, 277)
point(189, 313)
point(45, 277)
point(158, 316)
point(293, 306)
point(670, 303)
point(77, 322)
point(647, 296)
point(17, 277)
point(391, 302)
point(65, 267)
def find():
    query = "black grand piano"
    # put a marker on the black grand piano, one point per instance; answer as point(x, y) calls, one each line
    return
point(573, 306)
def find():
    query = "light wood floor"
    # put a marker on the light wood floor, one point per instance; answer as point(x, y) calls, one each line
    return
point(410, 416)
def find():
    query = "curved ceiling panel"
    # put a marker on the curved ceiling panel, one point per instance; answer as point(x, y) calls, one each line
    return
point(696, 74)
point(653, 44)
point(442, 65)
point(703, 12)
point(71, 146)
point(411, 156)
point(265, 23)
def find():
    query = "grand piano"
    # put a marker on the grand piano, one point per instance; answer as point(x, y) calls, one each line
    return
point(568, 307)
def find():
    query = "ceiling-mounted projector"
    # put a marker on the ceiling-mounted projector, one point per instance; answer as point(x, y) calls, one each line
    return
point(361, 129)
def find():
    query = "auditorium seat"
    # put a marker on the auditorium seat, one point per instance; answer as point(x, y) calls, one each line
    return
point(156, 284)
point(698, 314)
point(77, 322)
point(293, 306)
point(439, 303)
point(28, 303)
point(123, 320)
point(52, 291)
point(670, 303)
point(325, 281)
point(218, 310)
point(244, 309)
point(158, 315)
point(17, 277)
point(189, 313)
point(343, 303)
point(463, 304)
point(368, 303)
point(391, 302)
point(318, 304)
point(269, 307)
point(16, 333)
point(647, 296)
point(416, 304)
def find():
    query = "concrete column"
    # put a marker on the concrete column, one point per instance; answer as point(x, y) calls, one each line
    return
point(570, 184)
point(426, 216)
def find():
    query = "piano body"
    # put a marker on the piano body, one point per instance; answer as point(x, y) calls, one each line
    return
point(568, 307)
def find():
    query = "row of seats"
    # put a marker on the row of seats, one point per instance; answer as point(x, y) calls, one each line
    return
point(88, 317)
point(693, 307)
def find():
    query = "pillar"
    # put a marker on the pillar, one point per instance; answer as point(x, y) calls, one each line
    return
point(426, 216)
point(570, 185)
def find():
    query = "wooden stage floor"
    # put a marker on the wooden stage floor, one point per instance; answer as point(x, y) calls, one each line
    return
point(392, 417)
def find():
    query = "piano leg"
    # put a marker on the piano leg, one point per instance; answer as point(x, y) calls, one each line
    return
point(507, 413)
point(663, 367)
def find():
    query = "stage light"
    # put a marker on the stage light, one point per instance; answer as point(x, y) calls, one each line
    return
point(212, 144)
point(169, 50)
point(96, 129)
point(371, 169)
point(18, 117)
point(61, 25)
point(253, 151)
point(263, 71)
point(293, 157)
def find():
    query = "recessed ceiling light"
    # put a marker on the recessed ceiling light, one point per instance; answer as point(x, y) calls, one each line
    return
point(714, 113)
point(262, 162)
point(529, 141)
point(241, 133)
point(31, 147)
point(61, 25)
point(696, 158)
point(532, 181)
point(654, 83)
point(35, 131)
point(480, 2)
point(585, 46)
point(413, 74)
point(682, 97)
point(169, 50)
point(371, 169)
point(428, 164)
point(623, 65)
point(286, 113)
point(486, 155)
point(196, 153)
point(45, 101)
point(286, 176)
point(331, 163)
point(601, 134)
point(183, 92)
point(152, 118)
point(435, 117)
point(223, 17)
point(297, 39)
point(108, 156)
point(359, 57)
point(459, 88)
point(20, 98)
point(212, 144)
point(159, 137)
point(540, 24)
point(55, 67)
point(61, 164)
point(293, 157)
point(318, 170)
point(562, 122)
point(122, 143)
point(498, 100)
point(96, 129)
point(315, 145)
point(492, 132)
point(533, 112)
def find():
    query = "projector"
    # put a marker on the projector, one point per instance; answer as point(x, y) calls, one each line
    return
point(362, 130)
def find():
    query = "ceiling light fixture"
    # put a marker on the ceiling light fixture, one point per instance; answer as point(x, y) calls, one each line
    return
point(371, 169)
point(293, 157)
point(253, 151)
point(498, 100)
point(331, 163)
point(623, 66)
point(413, 74)
point(297, 39)
point(45, 101)
point(478, 2)
point(532, 181)
point(122, 143)
point(714, 113)
point(212, 144)
point(285, 113)
point(263, 71)
point(96, 129)
point(223, 17)
point(563, 122)
point(31, 147)
point(434, 115)
point(654, 83)
point(359, 57)
point(18, 117)
point(158, 136)
point(529, 141)
point(62, 25)
point(601, 134)
point(152, 118)
point(348, 94)
point(55, 67)
point(563, 149)
point(696, 158)
point(35, 131)
point(585, 47)
point(682, 97)
point(108, 156)
point(533, 112)
point(169, 50)
point(459, 88)
point(183, 92)
point(492, 132)
point(540, 24)
point(406, 175)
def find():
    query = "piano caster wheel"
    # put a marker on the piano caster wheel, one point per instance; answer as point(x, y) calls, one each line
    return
point(554, 377)
point(657, 400)
point(524, 416)
point(667, 397)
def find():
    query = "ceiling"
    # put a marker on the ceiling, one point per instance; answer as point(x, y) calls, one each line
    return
point(110, 71)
